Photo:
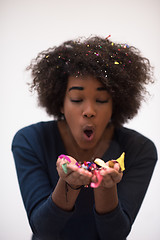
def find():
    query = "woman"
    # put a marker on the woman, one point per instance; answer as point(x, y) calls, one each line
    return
point(91, 87)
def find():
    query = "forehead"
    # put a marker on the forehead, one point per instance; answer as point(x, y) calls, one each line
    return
point(84, 81)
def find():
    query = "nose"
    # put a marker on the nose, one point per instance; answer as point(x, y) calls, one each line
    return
point(89, 111)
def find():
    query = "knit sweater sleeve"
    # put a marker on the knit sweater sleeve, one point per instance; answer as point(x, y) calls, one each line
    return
point(45, 218)
point(140, 163)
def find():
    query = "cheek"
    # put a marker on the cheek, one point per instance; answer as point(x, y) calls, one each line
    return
point(73, 124)
point(72, 115)
point(106, 113)
point(104, 119)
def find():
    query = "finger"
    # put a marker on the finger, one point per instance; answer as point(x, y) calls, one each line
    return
point(81, 177)
point(117, 167)
point(107, 181)
point(116, 176)
point(112, 175)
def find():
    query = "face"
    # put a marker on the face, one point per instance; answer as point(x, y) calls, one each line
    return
point(87, 109)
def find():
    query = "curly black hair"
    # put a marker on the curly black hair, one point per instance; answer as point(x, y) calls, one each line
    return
point(121, 68)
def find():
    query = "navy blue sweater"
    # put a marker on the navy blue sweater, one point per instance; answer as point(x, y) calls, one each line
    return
point(36, 148)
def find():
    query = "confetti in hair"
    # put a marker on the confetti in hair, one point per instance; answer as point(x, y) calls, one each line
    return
point(108, 37)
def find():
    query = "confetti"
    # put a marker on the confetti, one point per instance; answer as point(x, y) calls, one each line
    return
point(108, 36)
point(64, 166)
point(62, 156)
point(116, 62)
point(120, 160)
point(101, 163)
point(99, 180)
point(78, 165)
point(92, 167)
point(84, 166)
point(111, 164)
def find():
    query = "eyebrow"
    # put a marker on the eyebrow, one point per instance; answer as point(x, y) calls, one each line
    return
point(82, 88)
point(76, 88)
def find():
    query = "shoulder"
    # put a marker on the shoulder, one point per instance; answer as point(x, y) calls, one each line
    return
point(35, 132)
point(135, 143)
point(129, 136)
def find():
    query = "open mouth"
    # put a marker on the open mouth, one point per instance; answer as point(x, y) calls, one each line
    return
point(88, 133)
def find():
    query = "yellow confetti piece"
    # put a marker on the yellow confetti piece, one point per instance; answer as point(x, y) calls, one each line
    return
point(116, 62)
point(120, 160)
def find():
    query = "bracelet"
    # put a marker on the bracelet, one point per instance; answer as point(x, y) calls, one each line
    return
point(67, 184)
point(66, 189)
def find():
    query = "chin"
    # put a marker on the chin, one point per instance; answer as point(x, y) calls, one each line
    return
point(87, 145)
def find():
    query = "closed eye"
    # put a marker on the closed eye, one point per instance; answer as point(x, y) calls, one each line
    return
point(76, 101)
point(98, 101)
point(102, 101)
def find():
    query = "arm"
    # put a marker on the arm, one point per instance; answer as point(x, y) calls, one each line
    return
point(106, 198)
point(131, 191)
point(64, 195)
point(44, 199)
point(45, 217)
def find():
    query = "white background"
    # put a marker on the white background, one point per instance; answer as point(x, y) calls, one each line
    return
point(29, 26)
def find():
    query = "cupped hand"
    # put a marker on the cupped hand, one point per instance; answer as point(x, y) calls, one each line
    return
point(75, 176)
point(111, 176)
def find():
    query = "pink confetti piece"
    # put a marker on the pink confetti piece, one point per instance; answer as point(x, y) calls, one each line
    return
point(99, 179)
point(77, 164)
point(65, 157)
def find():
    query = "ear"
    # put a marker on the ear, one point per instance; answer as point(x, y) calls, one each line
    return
point(62, 110)
point(62, 113)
